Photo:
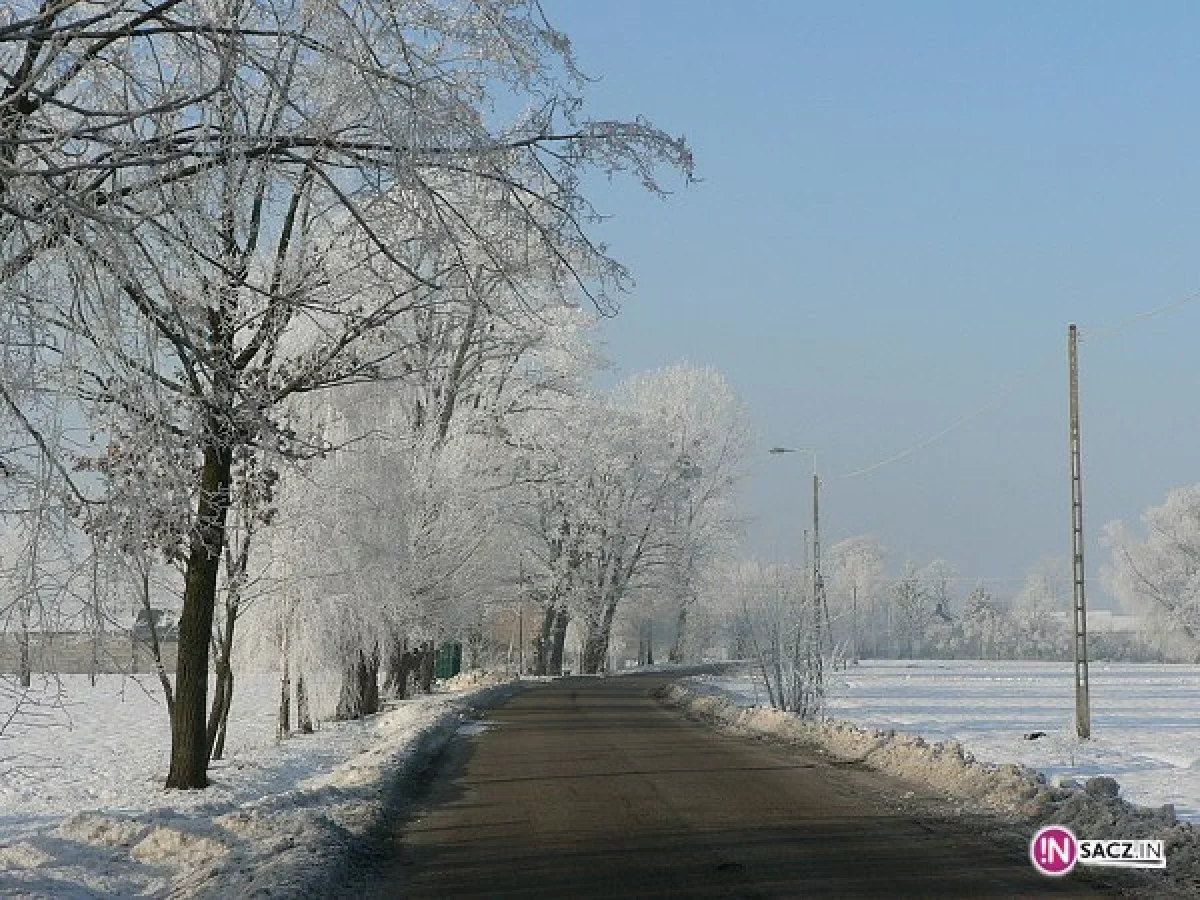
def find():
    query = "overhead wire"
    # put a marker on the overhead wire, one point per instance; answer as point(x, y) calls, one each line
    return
point(1036, 369)
point(1084, 334)
point(1137, 319)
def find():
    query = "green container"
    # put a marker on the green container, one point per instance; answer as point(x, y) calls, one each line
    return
point(448, 662)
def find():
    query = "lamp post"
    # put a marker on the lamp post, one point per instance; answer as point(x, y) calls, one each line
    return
point(819, 608)
point(816, 507)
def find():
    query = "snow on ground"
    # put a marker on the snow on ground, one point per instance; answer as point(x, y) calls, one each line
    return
point(1145, 718)
point(960, 726)
point(83, 812)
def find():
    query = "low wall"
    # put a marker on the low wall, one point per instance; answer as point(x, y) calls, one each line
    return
point(72, 653)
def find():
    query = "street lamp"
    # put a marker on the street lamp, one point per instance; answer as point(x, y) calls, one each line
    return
point(819, 607)
point(816, 546)
point(777, 451)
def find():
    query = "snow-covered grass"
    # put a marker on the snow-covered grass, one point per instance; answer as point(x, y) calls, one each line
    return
point(83, 812)
point(960, 728)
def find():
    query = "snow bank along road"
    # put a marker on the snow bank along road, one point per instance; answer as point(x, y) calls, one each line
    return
point(588, 787)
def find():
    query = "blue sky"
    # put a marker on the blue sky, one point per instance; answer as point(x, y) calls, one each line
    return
point(902, 207)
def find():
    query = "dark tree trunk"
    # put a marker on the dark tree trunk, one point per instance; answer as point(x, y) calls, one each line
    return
point(399, 669)
point(97, 623)
point(223, 718)
point(542, 643)
point(558, 641)
point(360, 687)
point(595, 642)
point(349, 705)
point(427, 663)
point(676, 653)
point(285, 700)
point(303, 716)
point(155, 646)
point(595, 651)
point(189, 744)
point(404, 668)
point(368, 677)
point(218, 717)
point(25, 663)
point(408, 668)
point(214, 714)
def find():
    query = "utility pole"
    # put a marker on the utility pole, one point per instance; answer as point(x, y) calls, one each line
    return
point(854, 619)
point(818, 596)
point(816, 552)
point(520, 619)
point(1083, 713)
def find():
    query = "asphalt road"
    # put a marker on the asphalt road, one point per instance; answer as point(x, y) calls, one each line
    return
point(587, 787)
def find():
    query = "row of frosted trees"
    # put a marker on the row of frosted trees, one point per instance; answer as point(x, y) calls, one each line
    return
point(925, 612)
point(292, 305)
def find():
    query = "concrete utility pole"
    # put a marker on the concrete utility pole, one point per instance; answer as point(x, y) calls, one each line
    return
point(854, 620)
point(1083, 713)
point(819, 606)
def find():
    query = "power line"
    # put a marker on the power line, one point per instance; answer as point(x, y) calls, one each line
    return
point(1137, 319)
point(1088, 333)
point(1040, 367)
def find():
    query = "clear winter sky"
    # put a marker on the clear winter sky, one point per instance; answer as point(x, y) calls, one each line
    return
point(903, 206)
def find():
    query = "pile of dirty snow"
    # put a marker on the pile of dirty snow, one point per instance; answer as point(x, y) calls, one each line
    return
point(1092, 810)
point(474, 678)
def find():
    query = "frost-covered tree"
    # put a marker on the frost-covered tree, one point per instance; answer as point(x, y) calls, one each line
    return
point(231, 200)
point(587, 518)
point(985, 629)
point(1158, 573)
point(777, 619)
point(707, 435)
point(409, 512)
point(84, 90)
point(40, 549)
point(856, 588)
point(1039, 625)
point(630, 491)
point(912, 607)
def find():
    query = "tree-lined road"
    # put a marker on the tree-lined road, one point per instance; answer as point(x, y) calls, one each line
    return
point(589, 788)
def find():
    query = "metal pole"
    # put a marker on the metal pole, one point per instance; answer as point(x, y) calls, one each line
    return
point(1083, 714)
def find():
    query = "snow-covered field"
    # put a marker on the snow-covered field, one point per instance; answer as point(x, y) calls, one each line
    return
point(1145, 718)
point(83, 812)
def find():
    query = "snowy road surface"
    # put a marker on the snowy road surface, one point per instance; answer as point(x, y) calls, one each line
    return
point(589, 788)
